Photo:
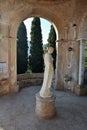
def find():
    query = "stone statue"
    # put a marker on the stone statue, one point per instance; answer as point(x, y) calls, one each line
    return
point(48, 74)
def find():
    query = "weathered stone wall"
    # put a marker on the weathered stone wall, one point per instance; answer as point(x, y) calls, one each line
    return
point(27, 80)
point(63, 14)
point(68, 62)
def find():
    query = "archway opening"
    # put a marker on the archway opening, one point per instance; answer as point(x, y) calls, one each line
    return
point(46, 28)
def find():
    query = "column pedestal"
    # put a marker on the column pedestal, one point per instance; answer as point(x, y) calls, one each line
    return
point(45, 107)
point(80, 91)
point(14, 88)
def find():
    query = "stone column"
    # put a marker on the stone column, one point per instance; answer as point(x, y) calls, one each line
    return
point(58, 83)
point(81, 62)
point(8, 56)
point(4, 56)
point(80, 89)
point(13, 64)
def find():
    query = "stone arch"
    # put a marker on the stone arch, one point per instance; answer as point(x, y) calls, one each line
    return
point(16, 17)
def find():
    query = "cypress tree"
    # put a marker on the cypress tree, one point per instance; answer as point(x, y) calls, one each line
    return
point(22, 49)
point(36, 47)
point(52, 42)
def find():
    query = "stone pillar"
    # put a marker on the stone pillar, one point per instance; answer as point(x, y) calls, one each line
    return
point(45, 107)
point(81, 63)
point(58, 83)
point(80, 88)
point(4, 56)
point(13, 65)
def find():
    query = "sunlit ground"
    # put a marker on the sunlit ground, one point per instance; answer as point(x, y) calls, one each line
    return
point(17, 111)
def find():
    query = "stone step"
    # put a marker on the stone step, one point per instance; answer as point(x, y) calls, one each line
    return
point(29, 82)
point(29, 76)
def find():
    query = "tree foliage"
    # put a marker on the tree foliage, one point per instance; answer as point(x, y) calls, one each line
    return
point(52, 42)
point(36, 47)
point(22, 49)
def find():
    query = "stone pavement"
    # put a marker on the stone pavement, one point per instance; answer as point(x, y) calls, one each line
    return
point(17, 112)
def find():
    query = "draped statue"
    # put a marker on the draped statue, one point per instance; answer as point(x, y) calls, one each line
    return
point(48, 74)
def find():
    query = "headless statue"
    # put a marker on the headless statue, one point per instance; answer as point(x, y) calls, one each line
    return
point(48, 74)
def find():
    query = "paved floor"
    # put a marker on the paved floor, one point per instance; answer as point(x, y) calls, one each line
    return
point(17, 112)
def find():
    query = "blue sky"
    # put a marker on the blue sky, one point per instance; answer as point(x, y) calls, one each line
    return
point(45, 26)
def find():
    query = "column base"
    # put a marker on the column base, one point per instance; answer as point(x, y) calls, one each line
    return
point(72, 89)
point(14, 88)
point(4, 87)
point(80, 91)
point(60, 87)
point(45, 107)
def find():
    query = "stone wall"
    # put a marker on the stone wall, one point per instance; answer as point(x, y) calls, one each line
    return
point(27, 80)
point(63, 14)
point(68, 62)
